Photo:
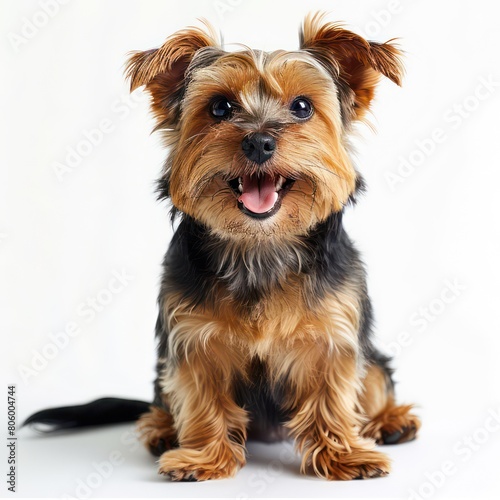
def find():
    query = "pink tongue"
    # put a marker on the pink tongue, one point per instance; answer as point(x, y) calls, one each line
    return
point(259, 194)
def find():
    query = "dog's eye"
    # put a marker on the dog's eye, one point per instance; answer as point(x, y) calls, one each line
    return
point(301, 108)
point(221, 108)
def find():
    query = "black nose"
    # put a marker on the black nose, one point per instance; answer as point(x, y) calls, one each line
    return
point(258, 147)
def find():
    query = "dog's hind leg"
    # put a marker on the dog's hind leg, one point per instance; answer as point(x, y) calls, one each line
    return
point(156, 430)
point(388, 423)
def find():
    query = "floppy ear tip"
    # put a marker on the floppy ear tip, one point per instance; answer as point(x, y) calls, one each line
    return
point(130, 70)
point(142, 66)
point(388, 58)
point(398, 55)
point(134, 67)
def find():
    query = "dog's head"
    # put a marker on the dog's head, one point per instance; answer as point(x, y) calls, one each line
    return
point(259, 140)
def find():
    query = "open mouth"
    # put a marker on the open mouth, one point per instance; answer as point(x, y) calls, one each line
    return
point(260, 195)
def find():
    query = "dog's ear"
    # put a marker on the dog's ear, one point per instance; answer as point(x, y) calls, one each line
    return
point(163, 70)
point(356, 63)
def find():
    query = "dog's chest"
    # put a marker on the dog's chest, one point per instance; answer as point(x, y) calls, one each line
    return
point(285, 320)
point(279, 320)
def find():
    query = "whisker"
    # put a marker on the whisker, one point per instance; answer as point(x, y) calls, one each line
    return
point(221, 191)
point(326, 170)
point(313, 198)
point(189, 139)
point(300, 191)
point(217, 193)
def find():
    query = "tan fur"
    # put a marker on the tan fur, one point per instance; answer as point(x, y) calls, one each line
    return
point(276, 322)
point(211, 428)
point(324, 375)
point(199, 191)
point(376, 391)
point(397, 421)
point(156, 428)
point(315, 353)
point(385, 418)
point(262, 84)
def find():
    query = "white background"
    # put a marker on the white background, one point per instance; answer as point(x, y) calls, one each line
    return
point(62, 239)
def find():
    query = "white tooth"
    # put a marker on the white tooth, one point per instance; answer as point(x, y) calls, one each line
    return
point(280, 182)
point(240, 188)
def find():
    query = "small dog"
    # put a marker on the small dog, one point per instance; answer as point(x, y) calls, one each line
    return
point(265, 323)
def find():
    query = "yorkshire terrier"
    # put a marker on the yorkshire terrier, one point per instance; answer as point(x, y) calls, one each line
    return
point(265, 324)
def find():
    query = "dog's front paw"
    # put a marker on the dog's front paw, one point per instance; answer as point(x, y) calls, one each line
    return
point(185, 464)
point(355, 465)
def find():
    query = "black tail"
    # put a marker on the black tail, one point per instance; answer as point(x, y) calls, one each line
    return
point(99, 412)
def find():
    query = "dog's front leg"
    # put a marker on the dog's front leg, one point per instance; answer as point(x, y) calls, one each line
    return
point(320, 367)
point(322, 387)
point(211, 427)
